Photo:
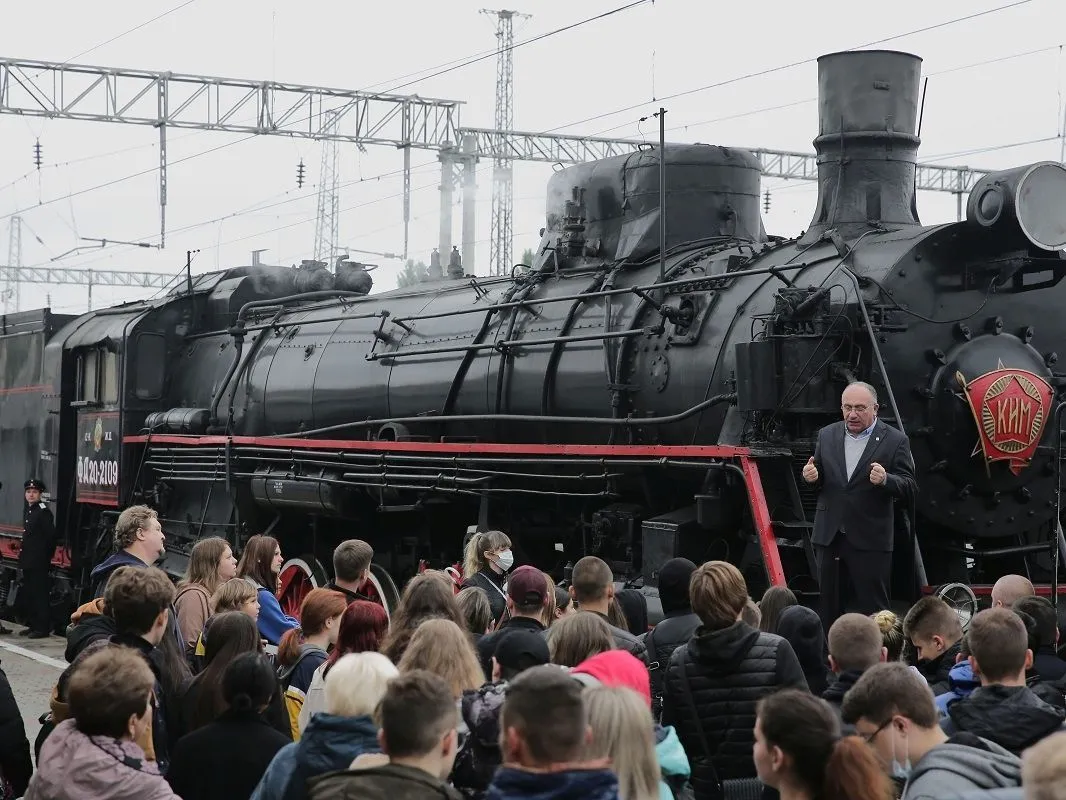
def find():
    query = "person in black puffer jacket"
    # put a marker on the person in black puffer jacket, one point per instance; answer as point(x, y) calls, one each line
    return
point(714, 682)
point(1002, 709)
point(677, 626)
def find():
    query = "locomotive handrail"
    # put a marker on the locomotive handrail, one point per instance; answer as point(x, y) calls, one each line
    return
point(627, 422)
point(873, 340)
point(507, 345)
point(919, 562)
point(740, 273)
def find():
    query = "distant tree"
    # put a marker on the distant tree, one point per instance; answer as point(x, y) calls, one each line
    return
point(412, 273)
point(527, 256)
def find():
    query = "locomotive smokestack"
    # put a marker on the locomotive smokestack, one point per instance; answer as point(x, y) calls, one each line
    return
point(867, 147)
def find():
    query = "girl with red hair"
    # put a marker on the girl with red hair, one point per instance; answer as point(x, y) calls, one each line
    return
point(362, 629)
point(303, 649)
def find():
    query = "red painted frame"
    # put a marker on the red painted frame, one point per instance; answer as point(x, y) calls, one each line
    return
point(760, 512)
point(985, 589)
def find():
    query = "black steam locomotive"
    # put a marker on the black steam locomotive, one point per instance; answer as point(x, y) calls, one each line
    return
point(616, 397)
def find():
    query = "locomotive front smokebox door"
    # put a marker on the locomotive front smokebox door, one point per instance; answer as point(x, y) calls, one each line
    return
point(98, 447)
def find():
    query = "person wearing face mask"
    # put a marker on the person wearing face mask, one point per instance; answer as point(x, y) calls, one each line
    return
point(894, 711)
point(486, 560)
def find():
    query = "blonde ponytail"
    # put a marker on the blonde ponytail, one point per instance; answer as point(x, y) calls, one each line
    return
point(472, 556)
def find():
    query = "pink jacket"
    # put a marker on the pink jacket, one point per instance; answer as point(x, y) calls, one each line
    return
point(74, 766)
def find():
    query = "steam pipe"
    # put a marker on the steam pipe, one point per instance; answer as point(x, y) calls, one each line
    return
point(626, 422)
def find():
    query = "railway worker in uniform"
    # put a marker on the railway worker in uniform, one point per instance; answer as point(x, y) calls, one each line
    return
point(861, 467)
point(35, 560)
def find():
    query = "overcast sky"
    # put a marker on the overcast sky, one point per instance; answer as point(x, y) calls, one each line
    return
point(994, 101)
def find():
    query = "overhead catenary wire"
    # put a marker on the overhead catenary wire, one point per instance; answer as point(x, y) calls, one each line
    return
point(790, 65)
point(259, 207)
point(794, 103)
point(134, 29)
point(458, 66)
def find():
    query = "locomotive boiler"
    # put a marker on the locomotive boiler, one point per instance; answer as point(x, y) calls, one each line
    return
point(615, 396)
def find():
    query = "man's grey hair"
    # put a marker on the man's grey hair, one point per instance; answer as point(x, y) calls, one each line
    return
point(867, 387)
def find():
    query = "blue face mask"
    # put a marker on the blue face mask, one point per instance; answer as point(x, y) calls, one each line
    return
point(899, 772)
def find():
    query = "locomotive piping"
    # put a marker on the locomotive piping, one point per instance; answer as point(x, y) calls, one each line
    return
point(627, 422)
point(238, 330)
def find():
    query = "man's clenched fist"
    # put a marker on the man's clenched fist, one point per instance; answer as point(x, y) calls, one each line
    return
point(877, 474)
point(810, 472)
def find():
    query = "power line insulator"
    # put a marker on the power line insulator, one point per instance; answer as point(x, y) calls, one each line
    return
point(37, 160)
point(300, 171)
point(766, 202)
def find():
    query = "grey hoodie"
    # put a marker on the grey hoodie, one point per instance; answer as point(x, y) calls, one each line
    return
point(950, 771)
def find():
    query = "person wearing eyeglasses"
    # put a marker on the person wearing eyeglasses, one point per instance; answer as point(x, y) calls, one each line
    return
point(893, 709)
point(861, 468)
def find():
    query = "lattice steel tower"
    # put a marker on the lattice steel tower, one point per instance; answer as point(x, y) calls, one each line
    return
point(12, 288)
point(502, 232)
point(327, 221)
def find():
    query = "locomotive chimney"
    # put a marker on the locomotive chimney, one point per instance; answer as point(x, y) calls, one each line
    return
point(867, 147)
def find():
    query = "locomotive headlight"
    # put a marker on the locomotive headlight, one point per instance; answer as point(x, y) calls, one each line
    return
point(1029, 200)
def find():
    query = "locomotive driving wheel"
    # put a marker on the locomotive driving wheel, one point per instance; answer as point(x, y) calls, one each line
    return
point(298, 577)
point(961, 599)
point(382, 589)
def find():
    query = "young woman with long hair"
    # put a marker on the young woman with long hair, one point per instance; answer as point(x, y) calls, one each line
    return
point(426, 596)
point(210, 565)
point(622, 731)
point(799, 752)
point(576, 637)
point(226, 636)
point(362, 629)
point(261, 564)
point(486, 559)
point(304, 649)
point(774, 600)
point(227, 758)
point(477, 612)
point(443, 648)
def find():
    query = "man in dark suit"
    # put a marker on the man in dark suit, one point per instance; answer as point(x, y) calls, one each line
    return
point(862, 467)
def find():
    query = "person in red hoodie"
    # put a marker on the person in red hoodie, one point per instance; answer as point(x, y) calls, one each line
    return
point(620, 668)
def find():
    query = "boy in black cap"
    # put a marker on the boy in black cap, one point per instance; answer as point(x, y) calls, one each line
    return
point(527, 602)
point(480, 754)
point(35, 560)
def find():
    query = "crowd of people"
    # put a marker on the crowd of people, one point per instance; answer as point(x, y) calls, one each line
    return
point(513, 687)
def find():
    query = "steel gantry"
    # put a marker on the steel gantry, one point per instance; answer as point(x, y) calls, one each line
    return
point(173, 100)
point(200, 102)
point(86, 277)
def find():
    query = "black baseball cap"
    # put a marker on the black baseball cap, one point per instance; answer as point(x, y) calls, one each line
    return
point(520, 649)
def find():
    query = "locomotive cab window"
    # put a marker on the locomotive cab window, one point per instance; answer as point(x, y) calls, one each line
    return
point(98, 376)
point(150, 357)
point(88, 376)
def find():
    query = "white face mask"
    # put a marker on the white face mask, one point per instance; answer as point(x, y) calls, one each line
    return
point(505, 559)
